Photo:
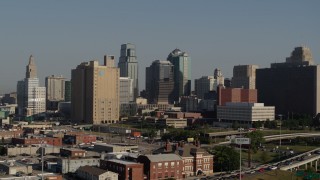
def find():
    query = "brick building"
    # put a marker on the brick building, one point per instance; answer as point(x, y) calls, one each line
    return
point(79, 138)
point(127, 170)
point(196, 160)
point(38, 140)
point(10, 134)
point(162, 166)
point(236, 95)
point(72, 152)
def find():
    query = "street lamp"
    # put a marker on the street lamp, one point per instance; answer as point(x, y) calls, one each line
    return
point(280, 115)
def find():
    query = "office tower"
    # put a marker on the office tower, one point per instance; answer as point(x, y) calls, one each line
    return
point(219, 79)
point(292, 86)
point(126, 90)
point(159, 82)
point(31, 97)
point(244, 76)
point(128, 65)
point(95, 93)
point(67, 92)
point(227, 82)
point(55, 86)
point(182, 73)
point(204, 85)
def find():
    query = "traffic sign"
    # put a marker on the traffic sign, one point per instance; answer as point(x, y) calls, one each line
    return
point(242, 140)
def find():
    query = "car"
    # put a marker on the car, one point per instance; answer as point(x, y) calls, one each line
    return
point(317, 152)
point(273, 167)
point(238, 176)
point(308, 154)
point(261, 170)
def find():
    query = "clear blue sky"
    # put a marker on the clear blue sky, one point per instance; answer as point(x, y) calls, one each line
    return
point(216, 34)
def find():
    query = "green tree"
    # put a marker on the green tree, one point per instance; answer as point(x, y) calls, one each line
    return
point(225, 158)
point(256, 138)
point(264, 157)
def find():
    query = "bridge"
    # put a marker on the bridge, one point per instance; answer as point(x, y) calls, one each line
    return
point(312, 159)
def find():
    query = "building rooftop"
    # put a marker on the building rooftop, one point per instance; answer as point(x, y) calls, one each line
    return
point(122, 161)
point(163, 157)
point(92, 170)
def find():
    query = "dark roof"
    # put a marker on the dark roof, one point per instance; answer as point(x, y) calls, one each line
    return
point(92, 170)
point(186, 151)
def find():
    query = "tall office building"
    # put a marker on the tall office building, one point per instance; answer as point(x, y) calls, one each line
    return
point(67, 92)
point(126, 90)
point(182, 73)
point(204, 85)
point(55, 86)
point(31, 97)
point(292, 86)
point(219, 79)
point(244, 76)
point(95, 93)
point(159, 82)
point(128, 65)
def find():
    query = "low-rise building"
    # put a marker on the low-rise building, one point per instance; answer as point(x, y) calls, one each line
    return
point(37, 140)
point(10, 134)
point(66, 165)
point(127, 170)
point(196, 160)
point(72, 152)
point(245, 113)
point(13, 167)
point(79, 138)
point(173, 122)
point(119, 147)
point(162, 166)
point(94, 173)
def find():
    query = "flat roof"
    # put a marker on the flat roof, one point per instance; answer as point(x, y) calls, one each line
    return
point(122, 161)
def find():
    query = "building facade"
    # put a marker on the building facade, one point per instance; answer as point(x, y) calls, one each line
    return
point(292, 86)
point(162, 166)
point(31, 97)
point(245, 113)
point(244, 76)
point(94, 173)
point(204, 85)
point(67, 93)
point(127, 170)
point(55, 86)
point(182, 73)
point(128, 65)
point(236, 95)
point(160, 82)
point(95, 93)
point(126, 90)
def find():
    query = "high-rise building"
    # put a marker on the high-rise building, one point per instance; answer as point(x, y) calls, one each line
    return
point(219, 79)
point(244, 76)
point(95, 93)
point(10, 98)
point(55, 86)
point(292, 86)
point(182, 73)
point(159, 82)
point(31, 97)
point(67, 93)
point(203, 85)
point(128, 65)
point(126, 90)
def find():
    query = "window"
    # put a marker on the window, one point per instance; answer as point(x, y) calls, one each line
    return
point(159, 165)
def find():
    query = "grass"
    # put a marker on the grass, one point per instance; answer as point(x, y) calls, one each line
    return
point(273, 156)
point(274, 175)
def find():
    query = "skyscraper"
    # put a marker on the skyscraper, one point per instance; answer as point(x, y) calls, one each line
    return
point(67, 92)
point(31, 97)
point(95, 93)
point(126, 90)
point(182, 73)
point(55, 86)
point(292, 86)
point(203, 85)
point(128, 65)
point(159, 82)
point(244, 76)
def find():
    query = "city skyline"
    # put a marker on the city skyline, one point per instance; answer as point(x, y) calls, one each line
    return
point(215, 34)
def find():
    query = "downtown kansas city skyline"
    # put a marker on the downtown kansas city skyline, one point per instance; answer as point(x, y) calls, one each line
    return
point(216, 34)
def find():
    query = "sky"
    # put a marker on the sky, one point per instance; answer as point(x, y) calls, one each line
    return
point(61, 34)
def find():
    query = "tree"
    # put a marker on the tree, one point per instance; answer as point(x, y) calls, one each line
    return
point(225, 158)
point(256, 138)
point(264, 157)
